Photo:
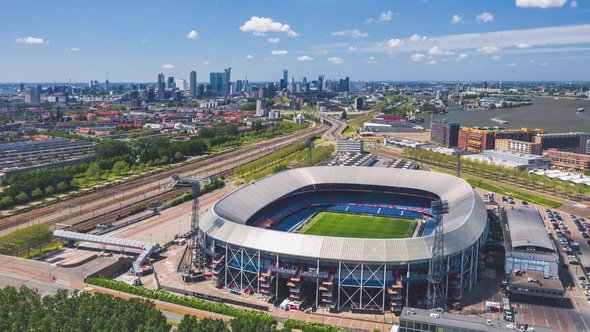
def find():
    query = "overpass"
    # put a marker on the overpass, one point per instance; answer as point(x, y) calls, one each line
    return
point(147, 247)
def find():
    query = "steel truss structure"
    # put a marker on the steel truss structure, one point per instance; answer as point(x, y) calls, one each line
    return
point(362, 287)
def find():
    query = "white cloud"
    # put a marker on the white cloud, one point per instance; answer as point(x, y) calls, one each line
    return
point(394, 42)
point(435, 50)
point(206, 62)
point(304, 58)
point(279, 52)
point(532, 61)
point(416, 38)
point(355, 33)
point(551, 39)
point(352, 48)
point(512, 64)
point(488, 49)
point(456, 19)
point(249, 56)
point(417, 57)
point(484, 17)
point(523, 45)
point(261, 25)
point(461, 56)
point(383, 17)
point(540, 3)
point(73, 49)
point(193, 34)
point(497, 57)
point(574, 4)
point(335, 60)
point(544, 63)
point(167, 66)
point(370, 60)
point(32, 40)
point(274, 40)
point(432, 62)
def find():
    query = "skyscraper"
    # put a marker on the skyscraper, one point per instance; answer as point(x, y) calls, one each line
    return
point(33, 94)
point(161, 86)
point(171, 83)
point(193, 84)
point(285, 79)
point(220, 82)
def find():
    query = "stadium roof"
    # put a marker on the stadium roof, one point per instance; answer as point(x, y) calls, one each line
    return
point(464, 224)
point(527, 229)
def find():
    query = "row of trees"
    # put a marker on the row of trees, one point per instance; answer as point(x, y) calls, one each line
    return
point(120, 157)
point(498, 172)
point(25, 239)
point(243, 320)
point(23, 187)
point(26, 310)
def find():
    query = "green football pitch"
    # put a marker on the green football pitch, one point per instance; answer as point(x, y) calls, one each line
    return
point(359, 226)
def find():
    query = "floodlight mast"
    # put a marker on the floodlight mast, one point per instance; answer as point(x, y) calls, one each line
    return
point(436, 294)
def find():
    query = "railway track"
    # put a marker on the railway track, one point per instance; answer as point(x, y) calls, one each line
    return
point(83, 209)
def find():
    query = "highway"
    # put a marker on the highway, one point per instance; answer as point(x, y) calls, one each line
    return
point(93, 206)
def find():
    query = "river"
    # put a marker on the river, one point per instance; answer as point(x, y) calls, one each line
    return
point(550, 114)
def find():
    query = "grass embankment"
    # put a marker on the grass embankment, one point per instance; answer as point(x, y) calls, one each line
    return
point(359, 226)
point(514, 193)
point(291, 157)
point(51, 246)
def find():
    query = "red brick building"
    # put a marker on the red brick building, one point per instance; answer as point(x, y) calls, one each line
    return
point(568, 160)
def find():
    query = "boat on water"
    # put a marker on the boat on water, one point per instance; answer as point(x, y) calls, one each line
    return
point(504, 122)
point(580, 110)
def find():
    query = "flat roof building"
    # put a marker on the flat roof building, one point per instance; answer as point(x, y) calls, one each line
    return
point(511, 145)
point(350, 145)
point(512, 159)
point(530, 253)
point(568, 160)
point(445, 133)
point(572, 142)
point(418, 320)
point(475, 139)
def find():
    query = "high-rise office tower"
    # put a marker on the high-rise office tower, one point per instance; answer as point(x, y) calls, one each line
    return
point(285, 79)
point(180, 84)
point(193, 84)
point(33, 94)
point(220, 82)
point(161, 86)
point(171, 84)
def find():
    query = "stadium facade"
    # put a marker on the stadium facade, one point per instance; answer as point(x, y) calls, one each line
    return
point(251, 242)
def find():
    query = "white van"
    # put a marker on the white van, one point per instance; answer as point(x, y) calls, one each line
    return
point(284, 305)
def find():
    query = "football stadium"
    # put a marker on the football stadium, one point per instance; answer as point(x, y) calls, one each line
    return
point(348, 238)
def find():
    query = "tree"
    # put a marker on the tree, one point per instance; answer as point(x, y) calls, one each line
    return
point(93, 171)
point(22, 197)
point(6, 201)
point(110, 148)
point(62, 186)
point(36, 193)
point(252, 322)
point(120, 167)
point(49, 190)
point(344, 115)
point(190, 323)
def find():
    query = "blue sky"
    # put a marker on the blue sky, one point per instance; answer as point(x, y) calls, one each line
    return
point(53, 41)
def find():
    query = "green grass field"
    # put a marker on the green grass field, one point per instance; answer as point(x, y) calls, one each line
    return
point(357, 226)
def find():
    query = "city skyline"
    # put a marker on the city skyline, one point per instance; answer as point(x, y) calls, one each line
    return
point(522, 40)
